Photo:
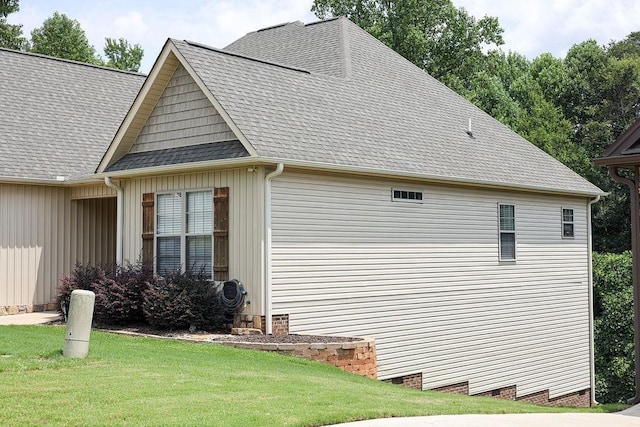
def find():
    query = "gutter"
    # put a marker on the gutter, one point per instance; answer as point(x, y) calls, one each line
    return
point(267, 250)
point(359, 170)
point(120, 217)
point(592, 365)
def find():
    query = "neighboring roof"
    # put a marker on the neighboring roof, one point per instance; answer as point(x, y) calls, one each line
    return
point(58, 116)
point(625, 151)
point(329, 95)
point(180, 155)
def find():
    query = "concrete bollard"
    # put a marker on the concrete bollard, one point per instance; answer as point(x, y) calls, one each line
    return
point(76, 342)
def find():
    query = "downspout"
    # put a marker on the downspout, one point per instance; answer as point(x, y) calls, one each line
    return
point(635, 251)
point(267, 255)
point(592, 364)
point(120, 217)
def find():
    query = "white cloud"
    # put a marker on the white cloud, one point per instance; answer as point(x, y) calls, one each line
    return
point(531, 27)
point(130, 26)
point(534, 27)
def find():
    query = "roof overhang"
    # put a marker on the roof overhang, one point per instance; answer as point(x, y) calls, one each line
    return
point(335, 168)
point(49, 182)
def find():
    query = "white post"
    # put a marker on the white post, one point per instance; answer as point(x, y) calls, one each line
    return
point(76, 341)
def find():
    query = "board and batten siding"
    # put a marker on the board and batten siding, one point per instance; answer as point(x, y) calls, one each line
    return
point(183, 116)
point(92, 192)
point(425, 281)
point(246, 207)
point(43, 233)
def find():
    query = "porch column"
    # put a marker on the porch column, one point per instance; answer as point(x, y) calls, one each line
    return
point(634, 189)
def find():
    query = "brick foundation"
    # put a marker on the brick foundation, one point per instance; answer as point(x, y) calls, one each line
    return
point(358, 357)
point(539, 398)
point(459, 388)
point(580, 398)
point(507, 393)
point(9, 310)
point(411, 381)
point(279, 323)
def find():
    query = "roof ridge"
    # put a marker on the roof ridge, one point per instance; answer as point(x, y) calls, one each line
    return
point(284, 24)
point(237, 55)
point(70, 61)
point(322, 21)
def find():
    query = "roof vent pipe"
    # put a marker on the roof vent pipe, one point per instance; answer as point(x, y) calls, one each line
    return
point(469, 129)
point(267, 219)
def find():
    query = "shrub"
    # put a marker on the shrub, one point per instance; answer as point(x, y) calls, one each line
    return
point(613, 327)
point(119, 296)
point(183, 300)
point(118, 291)
point(82, 277)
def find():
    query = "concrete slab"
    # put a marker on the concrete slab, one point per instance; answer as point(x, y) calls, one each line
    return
point(30, 318)
point(634, 411)
point(505, 420)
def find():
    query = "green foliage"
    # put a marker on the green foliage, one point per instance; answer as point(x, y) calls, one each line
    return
point(120, 54)
point(144, 381)
point(613, 327)
point(183, 300)
point(63, 37)
point(10, 34)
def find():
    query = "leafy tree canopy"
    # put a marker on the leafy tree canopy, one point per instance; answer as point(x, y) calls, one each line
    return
point(63, 37)
point(120, 54)
point(10, 35)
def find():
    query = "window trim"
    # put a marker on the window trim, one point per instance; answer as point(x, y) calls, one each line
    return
point(514, 232)
point(407, 200)
point(572, 222)
point(183, 234)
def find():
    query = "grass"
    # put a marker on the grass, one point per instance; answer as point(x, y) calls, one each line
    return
point(146, 381)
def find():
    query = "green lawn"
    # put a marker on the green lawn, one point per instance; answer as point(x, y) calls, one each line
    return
point(146, 381)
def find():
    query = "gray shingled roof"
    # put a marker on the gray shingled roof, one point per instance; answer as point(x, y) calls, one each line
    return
point(58, 117)
point(364, 106)
point(179, 155)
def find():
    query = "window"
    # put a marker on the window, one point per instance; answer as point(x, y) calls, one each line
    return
point(399, 195)
point(184, 232)
point(507, 231)
point(567, 223)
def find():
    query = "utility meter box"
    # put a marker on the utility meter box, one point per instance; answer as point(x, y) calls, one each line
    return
point(76, 340)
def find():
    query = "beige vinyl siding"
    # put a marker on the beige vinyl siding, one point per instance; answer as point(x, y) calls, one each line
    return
point(425, 280)
point(92, 192)
point(245, 220)
point(42, 235)
point(183, 116)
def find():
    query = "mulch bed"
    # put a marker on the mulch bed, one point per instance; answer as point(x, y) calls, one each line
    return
point(286, 339)
point(202, 336)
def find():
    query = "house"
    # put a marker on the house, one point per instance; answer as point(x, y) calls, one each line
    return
point(624, 155)
point(58, 117)
point(353, 194)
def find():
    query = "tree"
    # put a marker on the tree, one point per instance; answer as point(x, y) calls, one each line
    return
point(436, 36)
point(120, 54)
point(10, 35)
point(63, 37)
point(613, 327)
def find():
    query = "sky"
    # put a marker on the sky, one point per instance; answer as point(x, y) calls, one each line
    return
point(531, 27)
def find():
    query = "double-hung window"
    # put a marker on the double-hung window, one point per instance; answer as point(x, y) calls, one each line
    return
point(184, 232)
point(567, 223)
point(507, 232)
